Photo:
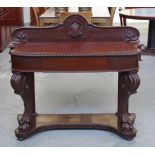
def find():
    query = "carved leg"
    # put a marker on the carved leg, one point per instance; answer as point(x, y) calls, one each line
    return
point(23, 85)
point(128, 82)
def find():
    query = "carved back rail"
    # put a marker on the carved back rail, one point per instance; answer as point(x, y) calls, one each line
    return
point(75, 28)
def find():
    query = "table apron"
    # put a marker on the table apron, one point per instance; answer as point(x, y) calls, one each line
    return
point(74, 64)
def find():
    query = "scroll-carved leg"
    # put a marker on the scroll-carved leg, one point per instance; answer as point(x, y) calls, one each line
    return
point(128, 82)
point(23, 85)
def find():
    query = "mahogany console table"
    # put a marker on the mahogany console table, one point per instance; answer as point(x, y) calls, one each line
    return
point(75, 46)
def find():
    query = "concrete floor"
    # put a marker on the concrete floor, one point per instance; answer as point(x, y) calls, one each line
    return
point(79, 93)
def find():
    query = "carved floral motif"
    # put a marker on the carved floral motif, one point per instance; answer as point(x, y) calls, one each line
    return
point(21, 37)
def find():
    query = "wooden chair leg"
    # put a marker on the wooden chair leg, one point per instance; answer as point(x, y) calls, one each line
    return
point(124, 21)
point(121, 20)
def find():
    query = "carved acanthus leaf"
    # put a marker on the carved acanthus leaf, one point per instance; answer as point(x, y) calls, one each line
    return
point(126, 124)
point(130, 37)
point(24, 123)
point(131, 80)
point(21, 37)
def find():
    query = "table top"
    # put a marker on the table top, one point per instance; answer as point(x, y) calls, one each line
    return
point(75, 49)
point(75, 57)
point(96, 12)
point(139, 13)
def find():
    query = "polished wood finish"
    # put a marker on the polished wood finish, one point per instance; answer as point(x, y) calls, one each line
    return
point(142, 14)
point(10, 19)
point(75, 46)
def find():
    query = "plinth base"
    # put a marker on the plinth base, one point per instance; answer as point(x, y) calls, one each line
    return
point(106, 122)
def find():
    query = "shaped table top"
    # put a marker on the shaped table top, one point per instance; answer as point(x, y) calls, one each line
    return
point(75, 49)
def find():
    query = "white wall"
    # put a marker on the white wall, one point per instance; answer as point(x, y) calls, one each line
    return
point(26, 13)
point(116, 17)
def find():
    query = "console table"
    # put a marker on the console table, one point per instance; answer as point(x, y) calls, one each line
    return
point(75, 46)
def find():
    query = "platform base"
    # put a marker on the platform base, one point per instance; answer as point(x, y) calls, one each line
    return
point(106, 122)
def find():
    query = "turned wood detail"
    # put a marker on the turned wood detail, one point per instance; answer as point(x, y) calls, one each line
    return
point(23, 85)
point(128, 82)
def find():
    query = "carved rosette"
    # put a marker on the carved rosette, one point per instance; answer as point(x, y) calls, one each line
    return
point(20, 86)
point(128, 84)
point(74, 30)
point(76, 25)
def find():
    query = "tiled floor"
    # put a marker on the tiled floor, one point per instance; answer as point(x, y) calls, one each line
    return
point(79, 93)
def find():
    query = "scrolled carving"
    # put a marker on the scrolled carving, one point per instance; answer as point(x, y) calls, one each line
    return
point(131, 82)
point(18, 83)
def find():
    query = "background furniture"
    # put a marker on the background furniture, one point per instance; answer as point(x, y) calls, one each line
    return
point(99, 17)
point(85, 9)
point(86, 14)
point(71, 47)
point(49, 17)
point(10, 18)
point(142, 14)
point(105, 21)
point(35, 12)
point(58, 10)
